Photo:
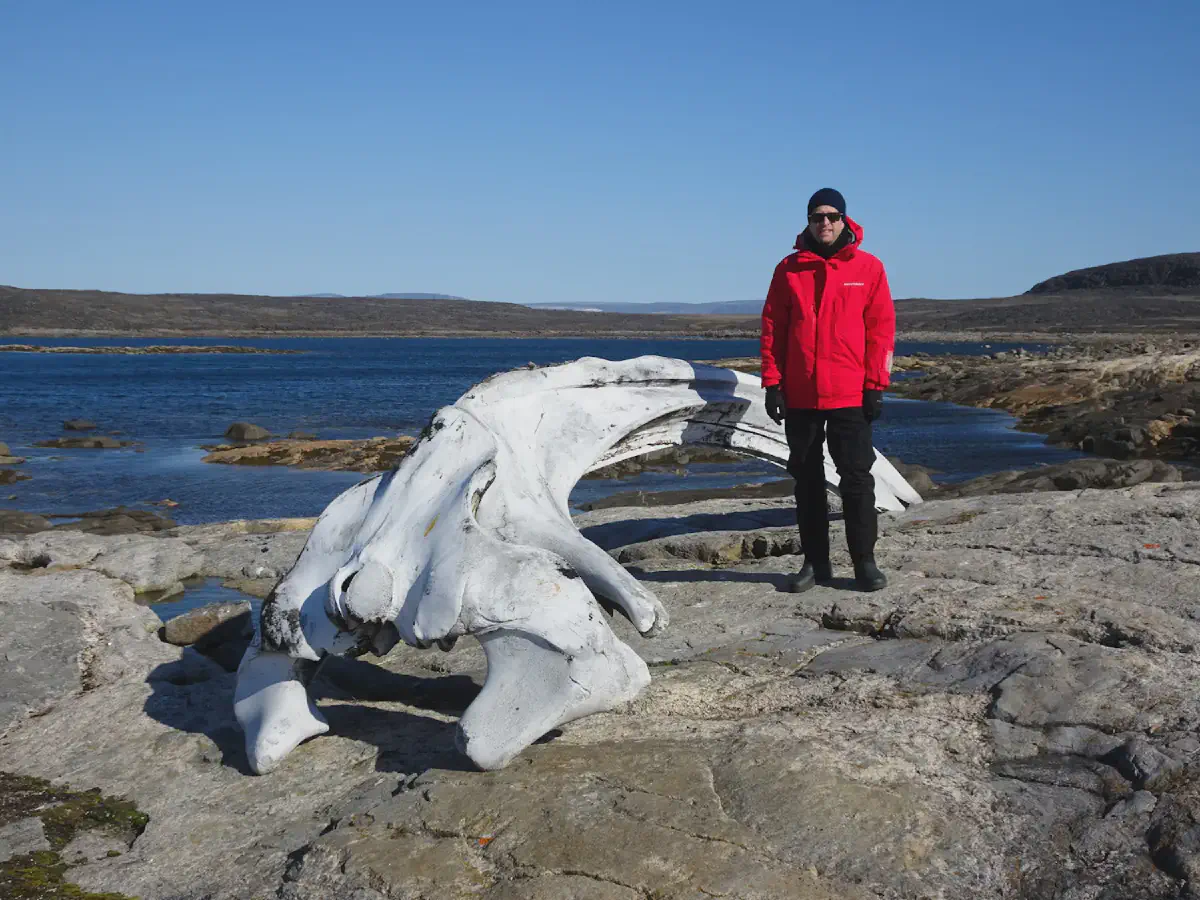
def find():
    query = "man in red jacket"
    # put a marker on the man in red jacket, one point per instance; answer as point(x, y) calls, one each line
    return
point(828, 330)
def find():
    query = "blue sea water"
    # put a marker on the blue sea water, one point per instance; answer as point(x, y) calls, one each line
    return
point(356, 388)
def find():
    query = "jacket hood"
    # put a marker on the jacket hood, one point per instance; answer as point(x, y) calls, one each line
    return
point(845, 253)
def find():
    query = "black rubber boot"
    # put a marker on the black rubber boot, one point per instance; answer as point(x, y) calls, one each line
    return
point(810, 576)
point(867, 576)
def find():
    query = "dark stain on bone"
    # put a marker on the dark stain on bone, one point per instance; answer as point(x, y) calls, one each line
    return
point(431, 428)
point(281, 630)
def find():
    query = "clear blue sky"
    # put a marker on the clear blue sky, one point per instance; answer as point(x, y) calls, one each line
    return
point(559, 151)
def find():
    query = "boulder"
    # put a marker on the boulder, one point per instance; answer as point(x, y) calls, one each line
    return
point(1159, 430)
point(221, 631)
point(4, 451)
point(12, 476)
point(246, 431)
point(79, 425)
point(919, 477)
point(1114, 446)
point(209, 625)
point(1131, 434)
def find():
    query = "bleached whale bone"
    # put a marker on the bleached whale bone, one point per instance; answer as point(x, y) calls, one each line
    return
point(472, 534)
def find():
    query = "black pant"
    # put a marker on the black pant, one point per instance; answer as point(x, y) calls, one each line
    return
point(853, 453)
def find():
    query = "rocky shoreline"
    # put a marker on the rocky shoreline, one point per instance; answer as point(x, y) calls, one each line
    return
point(370, 455)
point(1015, 716)
point(380, 454)
point(1077, 474)
point(1123, 400)
point(1116, 398)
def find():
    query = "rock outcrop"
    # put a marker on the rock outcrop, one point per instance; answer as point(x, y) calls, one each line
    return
point(1069, 476)
point(11, 460)
point(1172, 270)
point(1125, 401)
point(1017, 715)
point(118, 520)
point(370, 455)
point(246, 431)
point(99, 442)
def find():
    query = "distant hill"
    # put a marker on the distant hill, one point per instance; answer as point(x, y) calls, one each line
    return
point(1180, 271)
point(26, 311)
point(1102, 310)
point(390, 296)
point(723, 308)
point(1172, 303)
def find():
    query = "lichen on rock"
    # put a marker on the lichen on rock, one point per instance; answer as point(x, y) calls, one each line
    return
point(64, 814)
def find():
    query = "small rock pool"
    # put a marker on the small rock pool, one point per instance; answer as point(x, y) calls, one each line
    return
point(200, 592)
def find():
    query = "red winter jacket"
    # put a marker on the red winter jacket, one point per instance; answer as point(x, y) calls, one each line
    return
point(828, 327)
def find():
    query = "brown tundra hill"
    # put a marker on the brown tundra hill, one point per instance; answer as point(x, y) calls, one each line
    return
point(25, 311)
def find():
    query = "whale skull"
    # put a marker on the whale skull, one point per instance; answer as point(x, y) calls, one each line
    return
point(472, 534)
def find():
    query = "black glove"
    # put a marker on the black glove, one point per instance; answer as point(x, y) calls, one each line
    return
point(775, 405)
point(872, 405)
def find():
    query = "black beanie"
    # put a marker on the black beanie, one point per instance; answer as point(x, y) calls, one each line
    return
point(827, 197)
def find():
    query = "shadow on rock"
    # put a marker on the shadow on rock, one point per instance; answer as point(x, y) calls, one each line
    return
point(194, 695)
point(631, 531)
point(691, 576)
point(406, 742)
point(357, 679)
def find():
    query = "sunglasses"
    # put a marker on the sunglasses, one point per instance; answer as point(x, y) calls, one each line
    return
point(816, 218)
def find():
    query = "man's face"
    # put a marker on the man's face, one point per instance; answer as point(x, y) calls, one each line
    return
point(821, 224)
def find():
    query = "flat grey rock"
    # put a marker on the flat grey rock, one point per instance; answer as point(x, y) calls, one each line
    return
point(892, 658)
point(1016, 715)
point(248, 555)
point(150, 564)
point(68, 632)
point(42, 645)
point(22, 836)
